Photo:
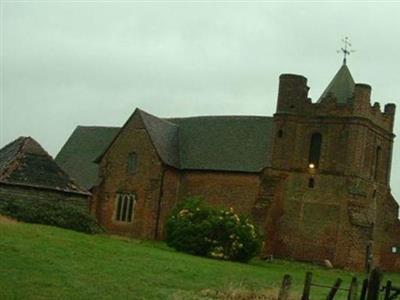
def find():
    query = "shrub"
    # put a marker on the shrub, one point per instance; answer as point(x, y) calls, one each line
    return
point(55, 213)
point(201, 230)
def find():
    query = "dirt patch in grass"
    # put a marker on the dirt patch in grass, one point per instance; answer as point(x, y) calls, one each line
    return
point(241, 293)
point(7, 220)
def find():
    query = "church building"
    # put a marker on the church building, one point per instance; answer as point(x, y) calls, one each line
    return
point(314, 177)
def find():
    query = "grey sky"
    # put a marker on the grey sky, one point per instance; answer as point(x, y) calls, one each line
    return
point(91, 63)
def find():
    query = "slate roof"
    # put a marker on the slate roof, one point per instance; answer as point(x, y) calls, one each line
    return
point(78, 154)
point(218, 143)
point(165, 137)
point(341, 86)
point(225, 143)
point(24, 162)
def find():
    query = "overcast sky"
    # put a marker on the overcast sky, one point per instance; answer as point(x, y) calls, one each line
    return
point(69, 63)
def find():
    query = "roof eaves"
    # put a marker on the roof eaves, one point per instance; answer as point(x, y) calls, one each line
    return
point(36, 186)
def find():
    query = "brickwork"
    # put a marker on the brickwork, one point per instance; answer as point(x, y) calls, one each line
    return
point(145, 183)
point(223, 189)
point(333, 211)
point(339, 215)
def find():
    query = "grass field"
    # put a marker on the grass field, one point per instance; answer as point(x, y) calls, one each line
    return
point(43, 262)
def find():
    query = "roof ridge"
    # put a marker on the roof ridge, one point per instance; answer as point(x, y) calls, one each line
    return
point(153, 116)
point(163, 149)
point(219, 116)
point(95, 126)
point(31, 146)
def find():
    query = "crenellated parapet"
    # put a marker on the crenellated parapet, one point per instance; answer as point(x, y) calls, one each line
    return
point(362, 108)
point(293, 99)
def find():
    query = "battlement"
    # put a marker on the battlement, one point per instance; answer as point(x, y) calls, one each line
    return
point(342, 98)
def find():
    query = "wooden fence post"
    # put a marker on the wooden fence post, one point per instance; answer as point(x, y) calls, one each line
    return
point(364, 289)
point(334, 289)
point(285, 287)
point(388, 289)
point(353, 289)
point(307, 287)
point(374, 284)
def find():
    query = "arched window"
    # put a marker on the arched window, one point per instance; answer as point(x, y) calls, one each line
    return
point(377, 162)
point(315, 150)
point(132, 163)
point(125, 207)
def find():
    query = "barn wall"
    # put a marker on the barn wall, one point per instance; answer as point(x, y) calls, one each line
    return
point(24, 193)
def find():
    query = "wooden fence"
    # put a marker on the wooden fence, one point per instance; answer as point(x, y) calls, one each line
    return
point(371, 288)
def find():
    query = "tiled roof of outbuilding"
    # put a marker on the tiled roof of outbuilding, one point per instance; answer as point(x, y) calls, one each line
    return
point(217, 143)
point(25, 162)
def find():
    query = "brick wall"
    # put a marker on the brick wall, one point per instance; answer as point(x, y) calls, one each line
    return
point(222, 189)
point(145, 183)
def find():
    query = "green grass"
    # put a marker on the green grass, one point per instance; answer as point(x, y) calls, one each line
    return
point(43, 262)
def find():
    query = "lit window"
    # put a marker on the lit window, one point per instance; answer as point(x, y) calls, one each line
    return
point(125, 204)
point(395, 250)
point(132, 162)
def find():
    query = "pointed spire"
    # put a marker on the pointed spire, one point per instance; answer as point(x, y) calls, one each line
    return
point(341, 86)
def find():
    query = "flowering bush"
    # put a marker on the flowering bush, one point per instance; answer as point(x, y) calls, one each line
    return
point(217, 233)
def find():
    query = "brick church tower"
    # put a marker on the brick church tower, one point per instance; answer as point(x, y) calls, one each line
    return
point(336, 157)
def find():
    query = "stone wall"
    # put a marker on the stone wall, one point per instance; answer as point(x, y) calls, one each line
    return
point(25, 193)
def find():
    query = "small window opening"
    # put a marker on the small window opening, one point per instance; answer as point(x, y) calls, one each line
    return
point(125, 207)
point(377, 162)
point(280, 133)
point(374, 194)
point(311, 183)
point(395, 249)
point(291, 106)
point(315, 150)
point(132, 163)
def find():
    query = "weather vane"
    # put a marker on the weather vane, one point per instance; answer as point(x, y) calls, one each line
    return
point(346, 49)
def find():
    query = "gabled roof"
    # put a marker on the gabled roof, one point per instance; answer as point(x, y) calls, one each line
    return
point(218, 143)
point(84, 145)
point(341, 86)
point(24, 162)
point(164, 135)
